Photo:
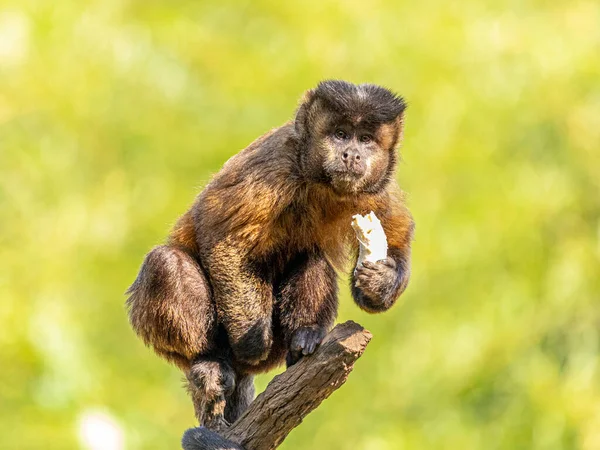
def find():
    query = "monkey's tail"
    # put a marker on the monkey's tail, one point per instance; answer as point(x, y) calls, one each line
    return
point(201, 438)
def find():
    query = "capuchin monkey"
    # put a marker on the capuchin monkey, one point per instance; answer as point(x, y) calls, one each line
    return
point(247, 278)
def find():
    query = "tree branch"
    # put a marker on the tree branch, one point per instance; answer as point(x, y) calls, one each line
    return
point(290, 396)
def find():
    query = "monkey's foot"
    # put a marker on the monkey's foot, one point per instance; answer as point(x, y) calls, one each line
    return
point(215, 422)
point(305, 341)
point(212, 378)
point(210, 382)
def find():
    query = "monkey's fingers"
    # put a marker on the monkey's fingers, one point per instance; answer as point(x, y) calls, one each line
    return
point(306, 339)
point(298, 342)
point(361, 278)
point(310, 347)
point(366, 279)
point(376, 266)
point(389, 262)
point(366, 271)
point(365, 283)
point(227, 381)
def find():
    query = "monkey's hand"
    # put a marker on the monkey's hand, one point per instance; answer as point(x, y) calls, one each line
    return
point(375, 284)
point(305, 341)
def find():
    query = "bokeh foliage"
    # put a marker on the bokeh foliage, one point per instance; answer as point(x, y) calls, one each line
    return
point(113, 114)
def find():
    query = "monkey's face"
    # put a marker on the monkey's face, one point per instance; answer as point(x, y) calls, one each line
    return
point(349, 133)
point(355, 157)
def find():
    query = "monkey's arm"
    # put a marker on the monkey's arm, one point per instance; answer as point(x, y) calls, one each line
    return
point(376, 286)
point(307, 303)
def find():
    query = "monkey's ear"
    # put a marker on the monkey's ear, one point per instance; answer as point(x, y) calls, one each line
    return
point(400, 127)
point(391, 133)
point(301, 123)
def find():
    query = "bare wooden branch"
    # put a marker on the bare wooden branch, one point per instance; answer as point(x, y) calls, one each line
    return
point(290, 396)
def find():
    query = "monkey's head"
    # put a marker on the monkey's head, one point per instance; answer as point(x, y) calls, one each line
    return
point(348, 135)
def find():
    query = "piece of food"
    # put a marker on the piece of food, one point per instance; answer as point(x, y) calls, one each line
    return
point(371, 237)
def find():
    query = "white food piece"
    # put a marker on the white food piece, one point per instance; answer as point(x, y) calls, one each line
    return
point(371, 237)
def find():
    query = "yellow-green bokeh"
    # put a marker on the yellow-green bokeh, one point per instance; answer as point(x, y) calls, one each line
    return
point(113, 114)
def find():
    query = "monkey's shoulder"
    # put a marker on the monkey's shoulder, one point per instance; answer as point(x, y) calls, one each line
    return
point(272, 156)
point(250, 191)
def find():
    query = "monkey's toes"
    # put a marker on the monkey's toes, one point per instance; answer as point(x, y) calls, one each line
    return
point(305, 340)
point(217, 423)
point(227, 380)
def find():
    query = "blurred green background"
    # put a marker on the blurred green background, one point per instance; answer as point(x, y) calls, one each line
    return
point(113, 114)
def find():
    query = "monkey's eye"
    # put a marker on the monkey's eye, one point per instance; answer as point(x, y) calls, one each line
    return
point(341, 134)
point(366, 138)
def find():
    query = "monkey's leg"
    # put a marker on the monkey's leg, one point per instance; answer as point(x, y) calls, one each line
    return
point(170, 306)
point(211, 382)
point(240, 398)
point(307, 303)
point(244, 298)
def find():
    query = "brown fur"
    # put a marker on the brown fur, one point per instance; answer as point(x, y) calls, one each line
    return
point(250, 269)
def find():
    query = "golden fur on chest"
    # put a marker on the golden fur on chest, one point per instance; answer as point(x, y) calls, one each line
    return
point(319, 220)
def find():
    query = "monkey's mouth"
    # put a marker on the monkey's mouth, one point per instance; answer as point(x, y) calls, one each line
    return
point(345, 181)
point(347, 175)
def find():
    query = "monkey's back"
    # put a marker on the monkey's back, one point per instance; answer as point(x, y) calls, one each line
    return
point(259, 203)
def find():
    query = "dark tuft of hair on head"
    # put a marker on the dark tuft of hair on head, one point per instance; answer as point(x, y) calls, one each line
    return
point(372, 103)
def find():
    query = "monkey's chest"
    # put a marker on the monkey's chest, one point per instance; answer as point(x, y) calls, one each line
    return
point(305, 230)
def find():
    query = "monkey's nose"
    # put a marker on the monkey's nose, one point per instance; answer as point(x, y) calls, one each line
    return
point(350, 156)
point(352, 161)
